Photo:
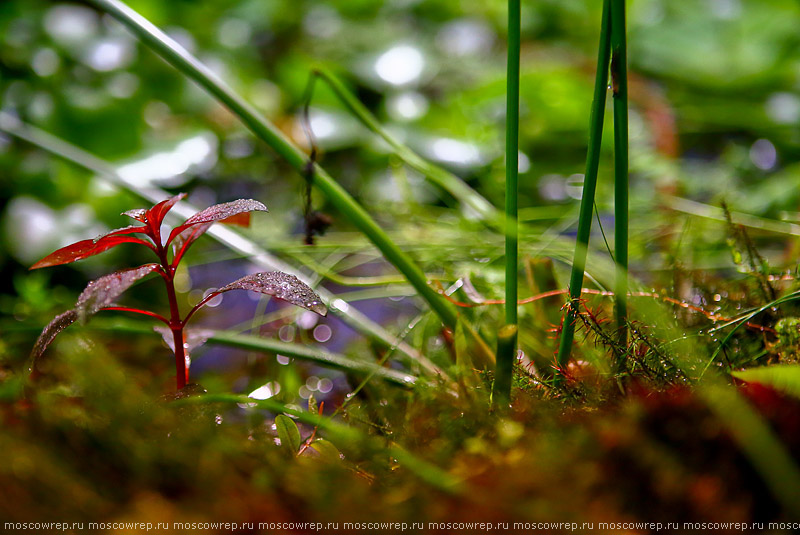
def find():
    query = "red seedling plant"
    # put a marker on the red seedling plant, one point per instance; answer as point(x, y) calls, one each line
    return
point(101, 294)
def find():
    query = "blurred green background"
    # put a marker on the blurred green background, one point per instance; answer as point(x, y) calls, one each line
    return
point(715, 111)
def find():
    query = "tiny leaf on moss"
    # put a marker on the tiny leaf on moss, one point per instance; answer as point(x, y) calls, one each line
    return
point(288, 433)
point(326, 450)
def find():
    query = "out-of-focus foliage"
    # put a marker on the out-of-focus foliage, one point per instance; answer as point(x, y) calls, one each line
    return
point(108, 449)
point(715, 116)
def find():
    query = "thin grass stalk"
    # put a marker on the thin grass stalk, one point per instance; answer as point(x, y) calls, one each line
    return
point(188, 65)
point(512, 158)
point(758, 442)
point(318, 356)
point(446, 180)
point(223, 234)
point(589, 188)
point(507, 344)
point(619, 86)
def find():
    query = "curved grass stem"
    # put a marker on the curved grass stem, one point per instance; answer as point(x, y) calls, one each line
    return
point(446, 180)
point(188, 65)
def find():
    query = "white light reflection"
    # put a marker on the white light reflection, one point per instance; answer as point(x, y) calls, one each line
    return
point(322, 125)
point(122, 85)
point(325, 385)
point(400, 65)
point(340, 305)
point(464, 37)
point(196, 154)
point(763, 154)
point(574, 186)
point(523, 163)
point(110, 54)
point(307, 319)
point(322, 21)
point(265, 391)
point(322, 333)
point(71, 25)
point(214, 301)
point(29, 228)
point(234, 33)
point(783, 108)
point(407, 106)
point(45, 62)
point(455, 151)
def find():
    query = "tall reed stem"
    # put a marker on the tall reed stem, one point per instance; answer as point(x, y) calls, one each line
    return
point(619, 85)
point(508, 348)
point(589, 188)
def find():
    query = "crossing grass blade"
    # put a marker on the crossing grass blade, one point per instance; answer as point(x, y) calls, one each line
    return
point(235, 241)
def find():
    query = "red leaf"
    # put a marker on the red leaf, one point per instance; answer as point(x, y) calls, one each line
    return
point(241, 220)
point(184, 239)
point(124, 230)
point(155, 215)
point(58, 324)
point(219, 212)
point(104, 291)
point(281, 285)
point(137, 213)
point(86, 248)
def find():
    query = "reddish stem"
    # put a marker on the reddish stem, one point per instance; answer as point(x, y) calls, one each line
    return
point(185, 245)
point(200, 304)
point(175, 323)
point(159, 317)
point(310, 439)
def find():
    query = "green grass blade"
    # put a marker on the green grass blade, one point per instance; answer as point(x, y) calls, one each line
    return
point(506, 346)
point(507, 341)
point(449, 182)
point(759, 444)
point(223, 234)
point(783, 377)
point(188, 65)
point(318, 356)
point(268, 345)
point(742, 320)
point(619, 77)
point(512, 158)
point(589, 187)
